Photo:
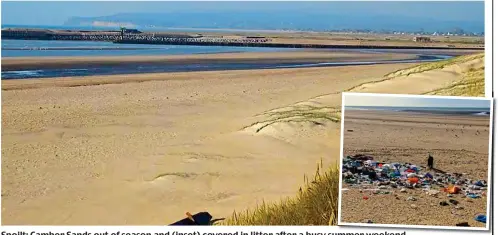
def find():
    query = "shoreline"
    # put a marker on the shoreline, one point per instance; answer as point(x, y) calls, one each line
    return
point(305, 56)
point(82, 66)
point(61, 82)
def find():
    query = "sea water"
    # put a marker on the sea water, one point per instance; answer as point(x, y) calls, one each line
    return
point(33, 48)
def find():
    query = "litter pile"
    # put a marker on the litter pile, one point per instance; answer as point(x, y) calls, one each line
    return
point(362, 171)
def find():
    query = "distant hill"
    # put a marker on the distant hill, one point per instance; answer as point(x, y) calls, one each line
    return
point(276, 21)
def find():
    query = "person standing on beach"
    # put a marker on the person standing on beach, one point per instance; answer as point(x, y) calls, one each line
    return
point(430, 162)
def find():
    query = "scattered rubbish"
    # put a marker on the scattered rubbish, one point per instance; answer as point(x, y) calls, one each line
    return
point(443, 203)
point(479, 183)
point(368, 221)
point(452, 189)
point(363, 172)
point(463, 224)
point(411, 199)
point(481, 218)
point(473, 195)
point(350, 130)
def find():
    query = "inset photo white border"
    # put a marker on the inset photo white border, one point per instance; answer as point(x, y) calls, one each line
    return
point(490, 149)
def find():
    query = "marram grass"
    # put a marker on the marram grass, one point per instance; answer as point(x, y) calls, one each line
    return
point(316, 203)
point(472, 84)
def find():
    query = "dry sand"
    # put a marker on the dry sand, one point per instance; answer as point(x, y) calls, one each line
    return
point(146, 148)
point(459, 143)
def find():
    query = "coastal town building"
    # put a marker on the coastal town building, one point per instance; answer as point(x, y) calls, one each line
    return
point(421, 39)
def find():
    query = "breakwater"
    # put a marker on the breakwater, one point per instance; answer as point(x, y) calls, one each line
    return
point(76, 35)
point(196, 40)
point(268, 43)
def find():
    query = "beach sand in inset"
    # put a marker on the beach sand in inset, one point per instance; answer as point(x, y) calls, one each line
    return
point(458, 143)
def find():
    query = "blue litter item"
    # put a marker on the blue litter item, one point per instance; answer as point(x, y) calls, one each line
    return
point(473, 196)
point(479, 183)
point(428, 175)
point(481, 218)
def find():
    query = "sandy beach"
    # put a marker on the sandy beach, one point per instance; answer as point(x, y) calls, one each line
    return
point(144, 149)
point(459, 143)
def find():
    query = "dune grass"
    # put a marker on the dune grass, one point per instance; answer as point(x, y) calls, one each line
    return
point(434, 65)
point(316, 203)
point(301, 114)
point(472, 84)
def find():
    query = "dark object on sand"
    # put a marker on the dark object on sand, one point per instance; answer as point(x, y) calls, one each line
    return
point(463, 224)
point(453, 201)
point(201, 218)
point(361, 157)
point(350, 130)
point(430, 162)
point(443, 203)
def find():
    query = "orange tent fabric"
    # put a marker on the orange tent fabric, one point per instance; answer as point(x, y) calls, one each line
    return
point(413, 180)
point(452, 189)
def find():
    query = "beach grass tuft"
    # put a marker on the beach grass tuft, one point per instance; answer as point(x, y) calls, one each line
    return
point(316, 203)
point(472, 84)
point(435, 65)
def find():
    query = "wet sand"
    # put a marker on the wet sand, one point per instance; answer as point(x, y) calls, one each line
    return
point(459, 143)
point(301, 56)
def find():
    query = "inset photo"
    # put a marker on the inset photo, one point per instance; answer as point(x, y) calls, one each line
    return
point(415, 161)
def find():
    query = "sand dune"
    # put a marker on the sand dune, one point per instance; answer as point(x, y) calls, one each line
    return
point(147, 152)
point(404, 81)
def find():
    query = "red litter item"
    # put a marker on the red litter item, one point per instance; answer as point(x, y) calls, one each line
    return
point(380, 165)
point(365, 198)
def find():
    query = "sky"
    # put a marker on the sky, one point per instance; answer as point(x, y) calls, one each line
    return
point(56, 13)
point(400, 101)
